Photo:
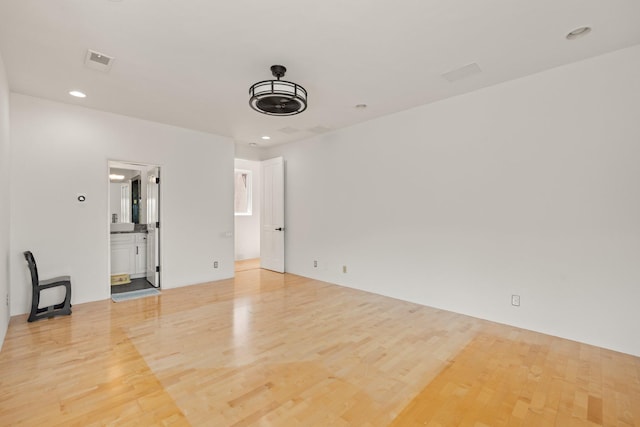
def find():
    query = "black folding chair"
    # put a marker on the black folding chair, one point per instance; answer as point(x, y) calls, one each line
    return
point(38, 285)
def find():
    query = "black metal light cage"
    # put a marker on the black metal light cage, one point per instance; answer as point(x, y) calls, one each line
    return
point(288, 91)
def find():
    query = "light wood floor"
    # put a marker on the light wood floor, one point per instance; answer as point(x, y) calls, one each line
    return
point(268, 349)
point(247, 264)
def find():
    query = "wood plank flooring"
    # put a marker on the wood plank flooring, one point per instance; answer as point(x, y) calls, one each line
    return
point(269, 349)
point(247, 264)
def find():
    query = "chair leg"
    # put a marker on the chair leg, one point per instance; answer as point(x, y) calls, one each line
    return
point(64, 308)
point(35, 301)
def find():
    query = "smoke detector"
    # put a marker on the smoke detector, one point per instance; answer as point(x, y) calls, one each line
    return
point(98, 61)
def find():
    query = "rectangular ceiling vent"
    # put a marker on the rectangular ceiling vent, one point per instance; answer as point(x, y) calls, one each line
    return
point(98, 61)
point(319, 129)
point(289, 130)
point(462, 73)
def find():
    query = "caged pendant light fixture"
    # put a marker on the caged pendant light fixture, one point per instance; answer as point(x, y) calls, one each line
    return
point(278, 97)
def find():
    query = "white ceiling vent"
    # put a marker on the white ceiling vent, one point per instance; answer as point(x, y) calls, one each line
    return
point(319, 129)
point(289, 130)
point(98, 61)
point(462, 72)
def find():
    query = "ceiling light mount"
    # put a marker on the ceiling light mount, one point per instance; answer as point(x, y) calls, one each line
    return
point(278, 71)
point(278, 97)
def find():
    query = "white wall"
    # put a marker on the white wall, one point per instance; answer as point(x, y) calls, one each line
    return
point(58, 146)
point(530, 187)
point(5, 206)
point(247, 228)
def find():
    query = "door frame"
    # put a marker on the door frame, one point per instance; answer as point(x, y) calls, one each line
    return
point(131, 165)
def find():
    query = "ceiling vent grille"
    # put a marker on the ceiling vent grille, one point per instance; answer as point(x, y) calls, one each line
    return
point(462, 72)
point(319, 129)
point(98, 61)
point(289, 130)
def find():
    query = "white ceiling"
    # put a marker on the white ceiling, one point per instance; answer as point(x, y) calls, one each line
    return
point(190, 62)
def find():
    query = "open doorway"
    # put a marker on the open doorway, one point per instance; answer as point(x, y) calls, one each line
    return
point(134, 221)
point(259, 214)
point(247, 214)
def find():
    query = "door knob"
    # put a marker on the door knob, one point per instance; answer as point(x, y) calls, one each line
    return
point(279, 229)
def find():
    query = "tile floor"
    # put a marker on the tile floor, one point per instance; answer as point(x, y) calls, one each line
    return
point(135, 285)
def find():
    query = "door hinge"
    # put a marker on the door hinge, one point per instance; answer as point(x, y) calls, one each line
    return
point(157, 180)
point(158, 224)
point(157, 269)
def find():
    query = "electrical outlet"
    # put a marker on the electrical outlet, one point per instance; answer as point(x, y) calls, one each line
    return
point(515, 300)
point(215, 264)
point(315, 264)
point(344, 268)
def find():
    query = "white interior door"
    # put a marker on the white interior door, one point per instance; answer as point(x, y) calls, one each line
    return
point(153, 218)
point(272, 215)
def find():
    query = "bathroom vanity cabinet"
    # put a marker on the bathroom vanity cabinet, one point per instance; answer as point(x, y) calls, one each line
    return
point(129, 254)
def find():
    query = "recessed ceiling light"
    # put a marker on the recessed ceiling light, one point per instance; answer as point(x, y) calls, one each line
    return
point(361, 106)
point(116, 176)
point(266, 137)
point(78, 94)
point(578, 32)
